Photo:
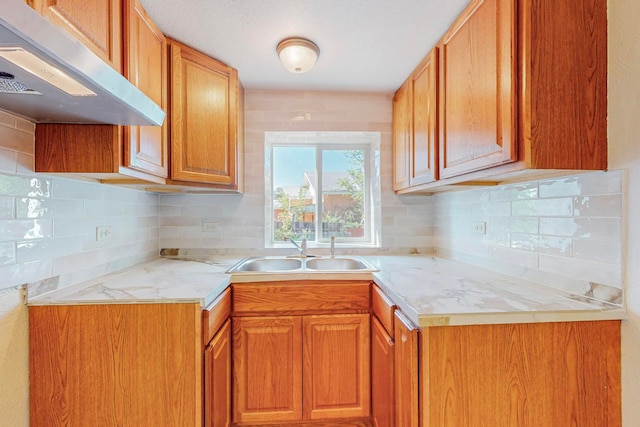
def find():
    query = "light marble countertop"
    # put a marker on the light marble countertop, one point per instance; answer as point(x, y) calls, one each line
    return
point(434, 291)
point(159, 280)
point(430, 291)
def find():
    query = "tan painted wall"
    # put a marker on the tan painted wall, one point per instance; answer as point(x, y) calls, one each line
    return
point(624, 154)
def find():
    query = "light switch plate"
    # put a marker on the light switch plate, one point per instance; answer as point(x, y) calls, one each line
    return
point(104, 232)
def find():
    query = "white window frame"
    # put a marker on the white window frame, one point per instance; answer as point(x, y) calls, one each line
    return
point(367, 141)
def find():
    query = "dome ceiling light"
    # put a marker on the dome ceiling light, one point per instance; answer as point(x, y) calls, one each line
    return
point(298, 55)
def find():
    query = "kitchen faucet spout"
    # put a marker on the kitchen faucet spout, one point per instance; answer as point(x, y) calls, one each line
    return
point(302, 247)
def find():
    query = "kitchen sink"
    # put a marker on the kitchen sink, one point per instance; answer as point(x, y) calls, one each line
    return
point(335, 264)
point(270, 264)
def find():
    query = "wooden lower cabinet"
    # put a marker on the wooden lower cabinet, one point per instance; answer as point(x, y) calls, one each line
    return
point(382, 376)
point(217, 379)
point(267, 369)
point(336, 366)
point(278, 360)
point(115, 365)
point(537, 374)
point(406, 372)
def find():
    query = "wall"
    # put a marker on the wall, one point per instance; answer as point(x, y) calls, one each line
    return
point(565, 231)
point(47, 231)
point(624, 153)
point(406, 225)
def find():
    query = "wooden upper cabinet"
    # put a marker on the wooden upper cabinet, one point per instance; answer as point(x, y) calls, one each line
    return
point(110, 153)
point(401, 136)
point(522, 92)
point(336, 366)
point(145, 147)
point(477, 88)
point(97, 24)
point(206, 119)
point(563, 93)
point(415, 126)
point(424, 142)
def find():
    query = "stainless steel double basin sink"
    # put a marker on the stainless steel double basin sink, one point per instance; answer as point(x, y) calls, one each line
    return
point(295, 264)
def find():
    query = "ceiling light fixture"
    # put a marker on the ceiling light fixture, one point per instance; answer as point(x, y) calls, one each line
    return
point(298, 55)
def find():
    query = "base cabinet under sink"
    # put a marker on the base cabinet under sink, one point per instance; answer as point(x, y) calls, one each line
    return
point(309, 362)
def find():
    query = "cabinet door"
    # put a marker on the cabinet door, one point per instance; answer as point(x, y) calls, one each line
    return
point(477, 89)
point(382, 376)
point(267, 369)
point(336, 366)
point(205, 112)
point(217, 380)
point(424, 142)
point(401, 136)
point(97, 24)
point(145, 147)
point(406, 372)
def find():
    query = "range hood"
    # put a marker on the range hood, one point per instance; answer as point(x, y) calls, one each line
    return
point(109, 97)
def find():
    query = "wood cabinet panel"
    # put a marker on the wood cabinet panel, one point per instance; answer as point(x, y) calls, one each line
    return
point(206, 136)
point(423, 166)
point(382, 376)
point(300, 297)
point(267, 369)
point(145, 147)
point(217, 379)
point(401, 136)
point(406, 373)
point(336, 366)
point(534, 374)
point(477, 88)
point(563, 95)
point(383, 308)
point(97, 24)
point(115, 364)
point(215, 315)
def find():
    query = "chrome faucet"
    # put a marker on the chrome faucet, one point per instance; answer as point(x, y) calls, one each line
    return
point(302, 247)
point(332, 248)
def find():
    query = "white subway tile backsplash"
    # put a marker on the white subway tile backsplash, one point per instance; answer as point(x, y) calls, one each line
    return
point(25, 229)
point(521, 191)
point(7, 210)
point(7, 253)
point(8, 160)
point(598, 206)
point(590, 271)
point(543, 207)
point(585, 228)
point(609, 251)
point(13, 185)
point(584, 184)
point(46, 228)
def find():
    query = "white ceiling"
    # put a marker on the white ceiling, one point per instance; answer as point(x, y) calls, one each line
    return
point(365, 45)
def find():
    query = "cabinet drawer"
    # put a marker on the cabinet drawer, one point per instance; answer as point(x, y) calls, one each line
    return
point(215, 314)
point(382, 307)
point(300, 297)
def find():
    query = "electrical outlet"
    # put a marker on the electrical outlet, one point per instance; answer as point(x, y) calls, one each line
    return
point(104, 232)
point(210, 227)
point(479, 227)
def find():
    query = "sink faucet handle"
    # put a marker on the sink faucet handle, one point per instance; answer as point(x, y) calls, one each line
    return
point(332, 248)
point(303, 247)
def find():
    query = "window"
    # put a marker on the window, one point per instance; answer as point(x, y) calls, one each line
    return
point(320, 185)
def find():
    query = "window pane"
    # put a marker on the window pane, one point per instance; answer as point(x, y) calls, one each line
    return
point(294, 203)
point(343, 204)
